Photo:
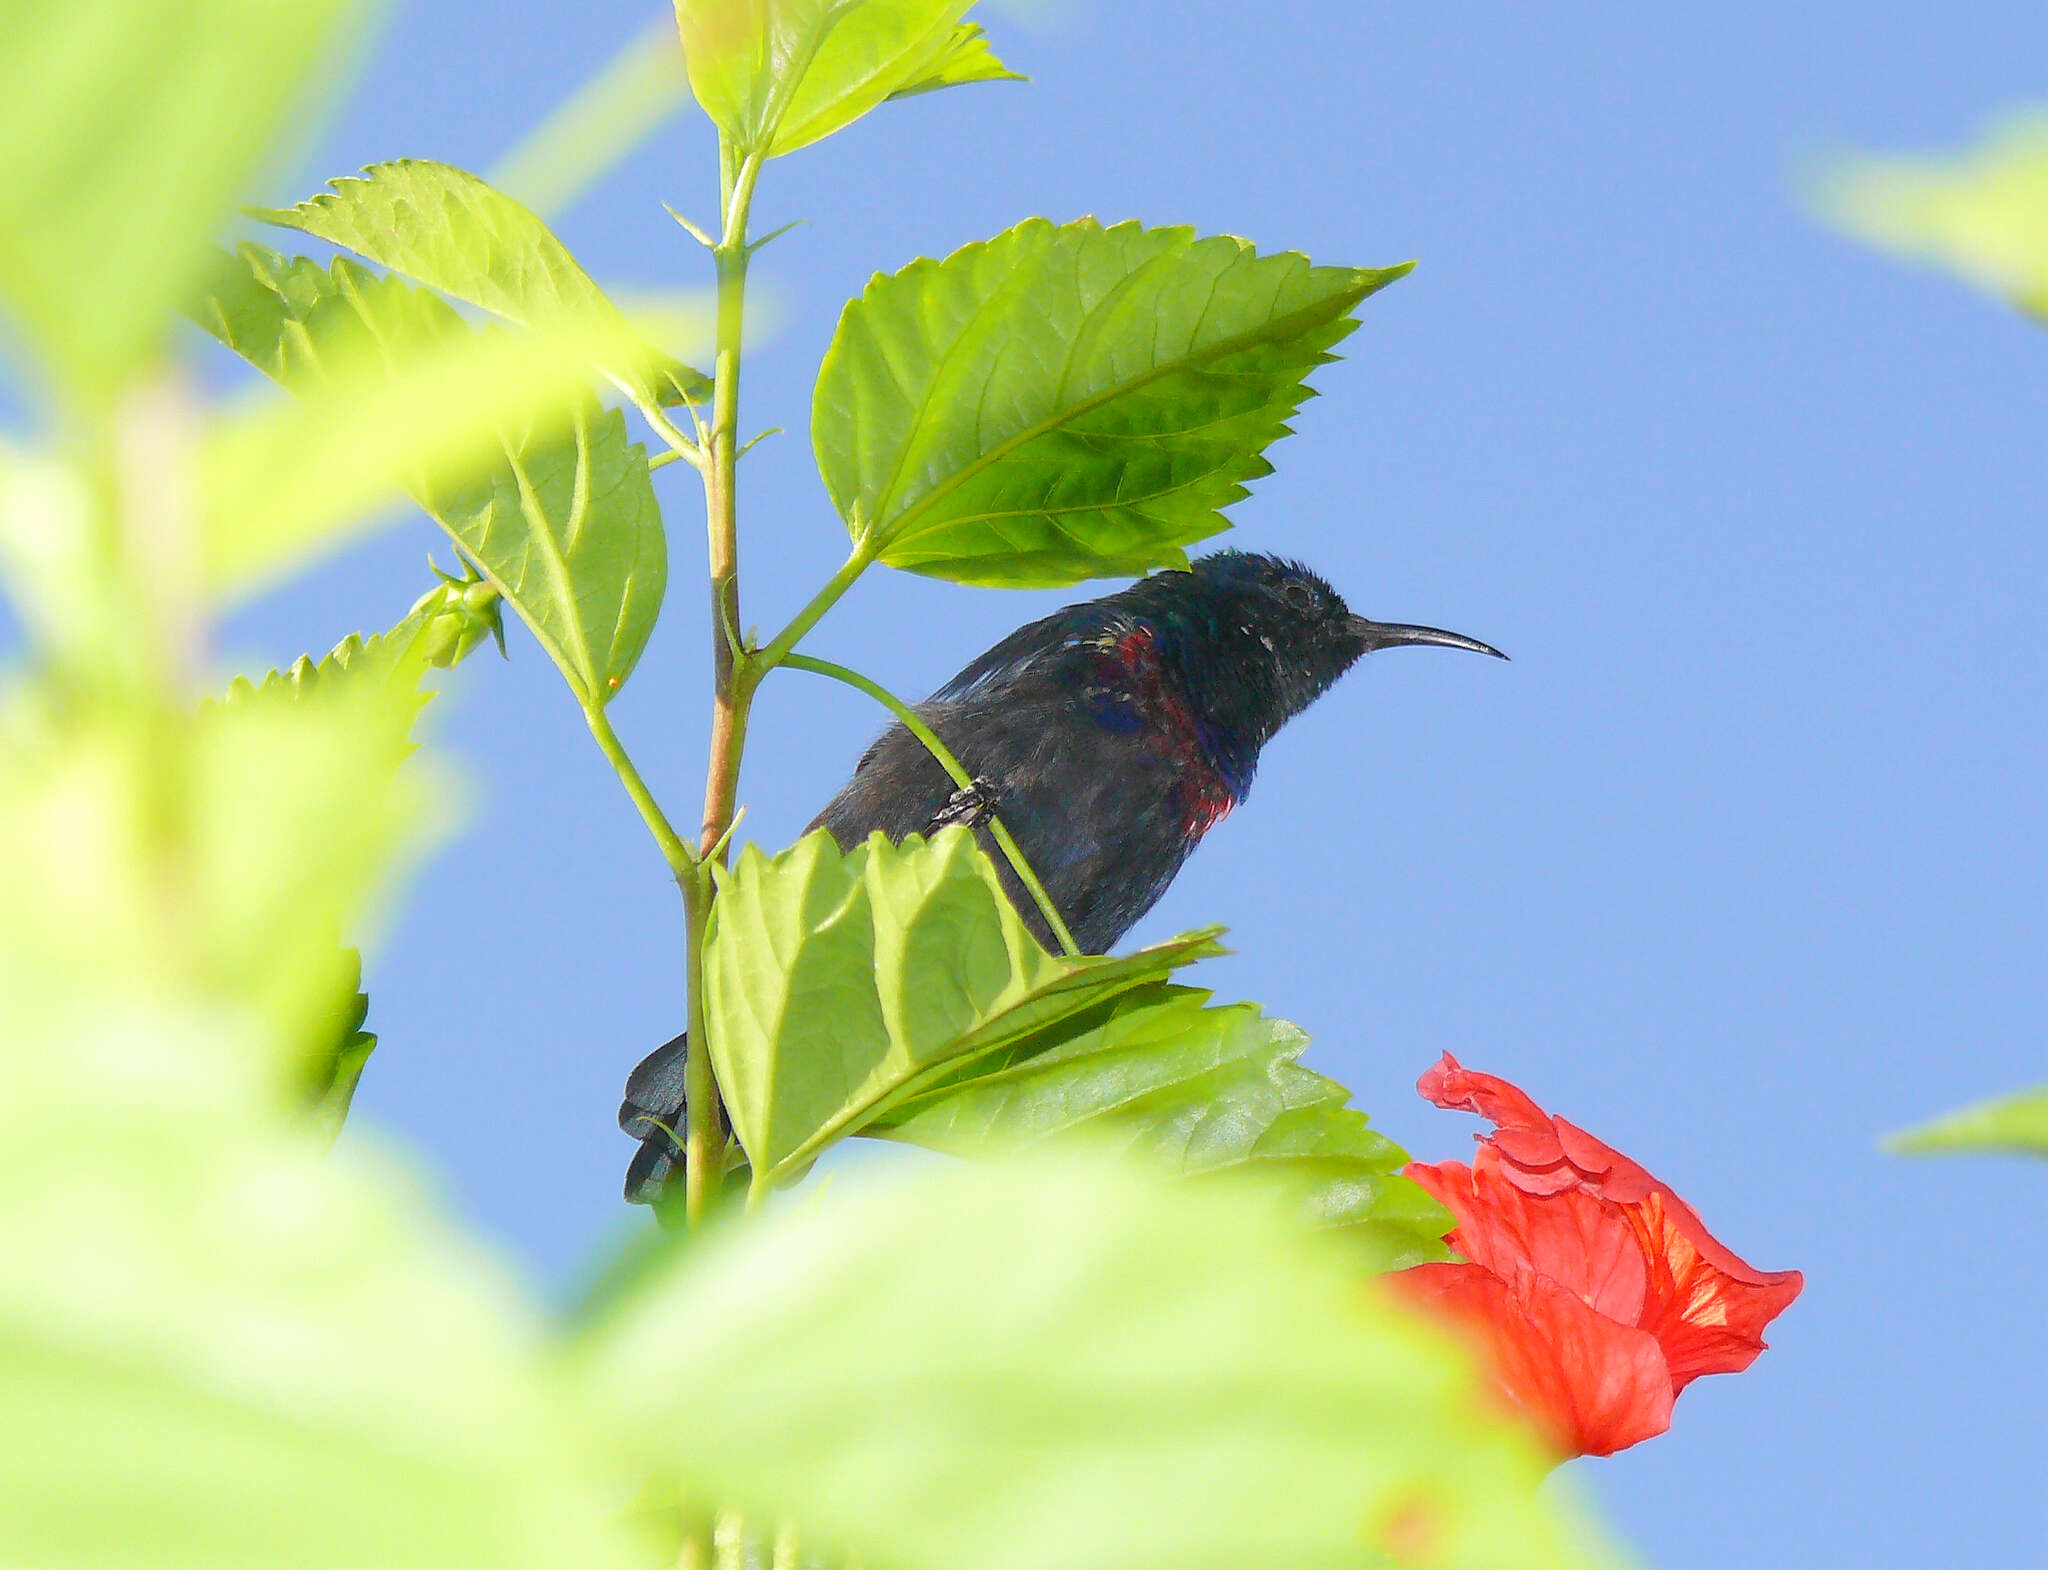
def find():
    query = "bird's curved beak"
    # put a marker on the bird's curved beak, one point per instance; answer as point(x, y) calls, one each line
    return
point(1375, 635)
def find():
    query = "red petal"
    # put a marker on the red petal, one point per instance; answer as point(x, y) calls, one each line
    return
point(1594, 1386)
point(1706, 1305)
point(1708, 1320)
point(1583, 1244)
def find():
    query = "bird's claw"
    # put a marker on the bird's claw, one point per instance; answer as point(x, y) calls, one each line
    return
point(971, 806)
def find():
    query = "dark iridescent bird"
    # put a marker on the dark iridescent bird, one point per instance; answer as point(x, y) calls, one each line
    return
point(1110, 737)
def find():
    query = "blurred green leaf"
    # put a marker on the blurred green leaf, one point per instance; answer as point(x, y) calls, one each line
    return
point(600, 122)
point(1066, 1366)
point(54, 564)
point(1983, 215)
point(776, 75)
point(2016, 1123)
point(1067, 403)
point(204, 860)
point(126, 130)
point(219, 1350)
point(1198, 1090)
point(833, 983)
point(559, 513)
point(447, 229)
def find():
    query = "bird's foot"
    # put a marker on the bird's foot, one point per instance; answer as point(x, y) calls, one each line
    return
point(972, 806)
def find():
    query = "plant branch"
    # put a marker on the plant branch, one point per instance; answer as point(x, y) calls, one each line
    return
point(778, 650)
point(913, 722)
point(705, 1134)
point(682, 861)
point(680, 445)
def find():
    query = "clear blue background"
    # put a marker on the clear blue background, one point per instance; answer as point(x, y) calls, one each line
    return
point(1739, 864)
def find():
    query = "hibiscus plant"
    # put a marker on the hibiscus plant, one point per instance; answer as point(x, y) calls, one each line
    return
point(1143, 1322)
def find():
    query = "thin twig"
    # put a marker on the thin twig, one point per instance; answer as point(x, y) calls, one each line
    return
point(913, 722)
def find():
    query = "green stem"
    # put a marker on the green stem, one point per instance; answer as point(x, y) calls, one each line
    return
point(704, 1134)
point(662, 460)
point(777, 652)
point(681, 860)
point(914, 723)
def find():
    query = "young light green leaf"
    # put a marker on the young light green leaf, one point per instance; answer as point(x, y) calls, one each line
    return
point(2017, 1123)
point(1066, 403)
point(560, 515)
point(444, 625)
point(1197, 1090)
point(450, 231)
point(126, 128)
point(1983, 215)
point(776, 75)
point(968, 58)
point(1067, 1366)
point(834, 984)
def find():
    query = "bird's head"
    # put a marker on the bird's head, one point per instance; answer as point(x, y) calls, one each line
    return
point(1258, 639)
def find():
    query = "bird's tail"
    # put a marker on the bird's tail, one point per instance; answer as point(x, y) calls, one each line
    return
point(654, 1112)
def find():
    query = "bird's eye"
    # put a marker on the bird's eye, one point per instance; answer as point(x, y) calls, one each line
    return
point(1299, 596)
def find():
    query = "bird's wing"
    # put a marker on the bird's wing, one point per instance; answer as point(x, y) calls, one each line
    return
point(1063, 630)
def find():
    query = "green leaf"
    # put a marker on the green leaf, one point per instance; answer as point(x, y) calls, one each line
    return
point(56, 572)
point(219, 1350)
point(560, 515)
point(1067, 403)
point(444, 625)
point(126, 129)
point(2010, 1123)
point(776, 75)
point(1197, 1090)
point(447, 229)
point(206, 863)
point(1983, 215)
point(968, 58)
point(1067, 1366)
point(834, 984)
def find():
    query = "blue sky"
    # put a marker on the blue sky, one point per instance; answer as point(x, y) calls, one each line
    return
point(1739, 864)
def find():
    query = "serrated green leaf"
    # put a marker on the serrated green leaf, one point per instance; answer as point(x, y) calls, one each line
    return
point(1066, 403)
point(126, 129)
point(444, 625)
point(1982, 215)
point(447, 229)
point(968, 58)
point(834, 984)
point(561, 518)
point(2017, 1123)
point(776, 75)
point(1197, 1090)
point(1065, 1366)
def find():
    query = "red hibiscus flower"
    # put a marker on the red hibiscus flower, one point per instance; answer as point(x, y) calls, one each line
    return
point(1595, 1293)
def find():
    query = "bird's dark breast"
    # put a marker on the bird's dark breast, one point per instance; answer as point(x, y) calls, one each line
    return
point(1101, 774)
